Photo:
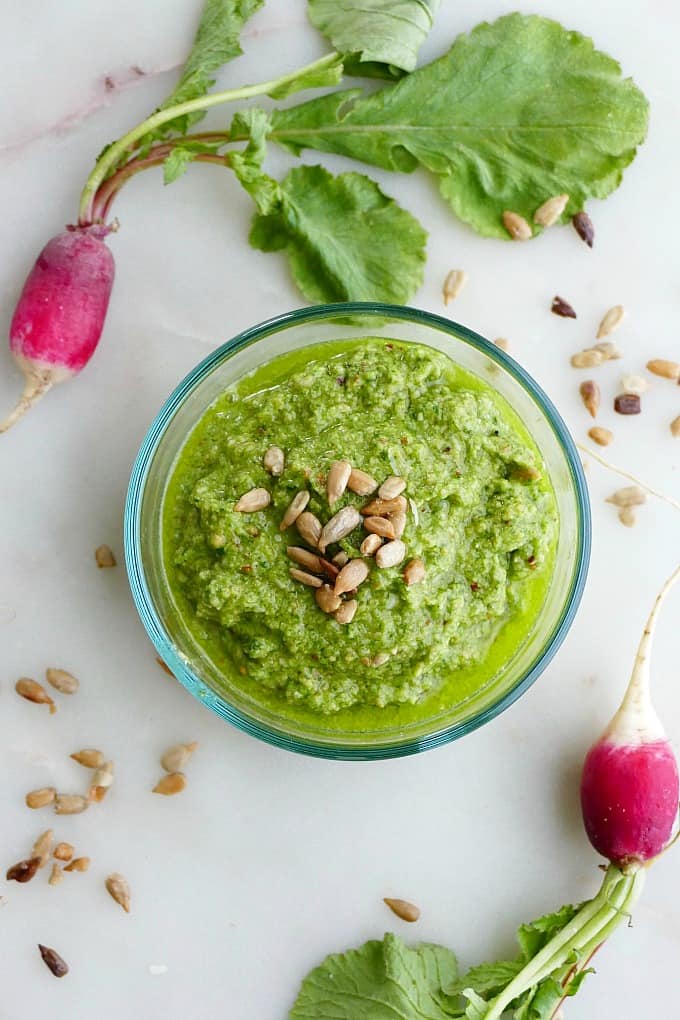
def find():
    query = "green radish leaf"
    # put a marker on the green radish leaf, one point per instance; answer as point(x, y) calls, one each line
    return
point(181, 156)
point(379, 981)
point(382, 36)
point(517, 111)
point(317, 78)
point(488, 979)
point(247, 165)
point(533, 935)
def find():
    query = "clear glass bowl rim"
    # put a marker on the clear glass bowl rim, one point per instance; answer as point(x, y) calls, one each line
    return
point(163, 642)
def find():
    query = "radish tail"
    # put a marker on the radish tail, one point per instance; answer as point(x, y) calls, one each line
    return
point(38, 382)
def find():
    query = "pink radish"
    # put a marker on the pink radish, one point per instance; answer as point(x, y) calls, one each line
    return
point(61, 311)
point(629, 787)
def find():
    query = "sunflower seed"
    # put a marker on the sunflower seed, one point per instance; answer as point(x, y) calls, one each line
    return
point(78, 864)
point(295, 508)
point(634, 384)
point(398, 522)
point(104, 556)
point(453, 284)
point(403, 909)
point(666, 369)
point(601, 436)
point(23, 871)
point(41, 798)
point(380, 659)
point(35, 692)
point(587, 359)
point(305, 558)
point(502, 343)
point(549, 213)
point(62, 681)
point(176, 757)
point(103, 777)
point(326, 599)
point(583, 225)
point(56, 875)
point(382, 507)
point(90, 757)
point(70, 803)
point(627, 403)
point(347, 611)
point(339, 526)
point(42, 847)
point(516, 226)
point(611, 320)
point(629, 495)
point(561, 307)
point(391, 487)
point(382, 526)
point(351, 576)
point(340, 559)
point(168, 785)
point(274, 461)
point(309, 528)
point(53, 960)
point(361, 483)
point(590, 395)
point(119, 889)
point(371, 543)
point(338, 476)
point(309, 579)
point(390, 554)
point(252, 501)
point(609, 349)
point(627, 516)
point(675, 427)
point(414, 571)
point(63, 851)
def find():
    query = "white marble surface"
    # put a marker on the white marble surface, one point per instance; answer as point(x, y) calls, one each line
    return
point(269, 860)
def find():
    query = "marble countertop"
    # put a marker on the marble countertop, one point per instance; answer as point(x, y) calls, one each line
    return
point(269, 860)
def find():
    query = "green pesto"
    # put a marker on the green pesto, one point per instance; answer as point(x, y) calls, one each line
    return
point(485, 531)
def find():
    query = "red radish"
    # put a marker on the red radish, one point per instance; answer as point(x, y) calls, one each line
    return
point(61, 311)
point(629, 787)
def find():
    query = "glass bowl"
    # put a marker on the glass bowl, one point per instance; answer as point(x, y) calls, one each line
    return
point(240, 356)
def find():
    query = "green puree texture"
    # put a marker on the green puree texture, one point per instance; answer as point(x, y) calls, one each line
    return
point(483, 525)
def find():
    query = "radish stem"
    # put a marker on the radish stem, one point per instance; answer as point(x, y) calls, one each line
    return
point(631, 478)
point(111, 157)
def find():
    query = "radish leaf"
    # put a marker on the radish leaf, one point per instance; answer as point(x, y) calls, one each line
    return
point(517, 111)
point(383, 36)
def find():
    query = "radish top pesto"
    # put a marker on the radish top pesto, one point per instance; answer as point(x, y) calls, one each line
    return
point(477, 518)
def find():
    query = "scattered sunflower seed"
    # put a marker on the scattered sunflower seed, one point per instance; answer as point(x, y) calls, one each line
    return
point(390, 554)
point(309, 579)
point(391, 487)
point(70, 803)
point(339, 526)
point(164, 666)
point(516, 226)
point(634, 384)
point(502, 343)
point(56, 875)
point(675, 427)
point(63, 851)
point(590, 395)
point(62, 681)
point(380, 659)
point(609, 349)
point(627, 403)
point(327, 600)
point(305, 558)
point(583, 225)
point(381, 526)
point(347, 611)
point(295, 508)
point(403, 909)
point(31, 690)
point(453, 284)
point(90, 757)
point(41, 798)
point(168, 785)
point(274, 461)
point(398, 522)
point(587, 359)
point(382, 507)
point(627, 516)
point(629, 495)
point(42, 846)
point(78, 864)
point(371, 543)
point(549, 213)
point(666, 369)
point(103, 554)
point(252, 501)
point(561, 307)
point(53, 961)
point(119, 890)
point(23, 871)
point(101, 780)
point(176, 757)
point(309, 528)
point(337, 480)
point(601, 436)
point(611, 320)
point(340, 559)
point(361, 483)
point(351, 576)
point(525, 473)
point(414, 571)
